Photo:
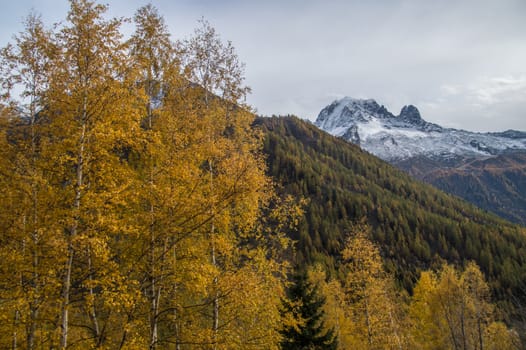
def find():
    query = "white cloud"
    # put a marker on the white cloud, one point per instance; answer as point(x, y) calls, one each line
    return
point(483, 104)
point(488, 91)
point(506, 89)
point(450, 89)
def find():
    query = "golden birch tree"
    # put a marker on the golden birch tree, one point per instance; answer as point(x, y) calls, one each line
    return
point(371, 295)
point(29, 235)
point(337, 311)
point(136, 214)
point(234, 189)
point(93, 121)
point(153, 56)
point(452, 310)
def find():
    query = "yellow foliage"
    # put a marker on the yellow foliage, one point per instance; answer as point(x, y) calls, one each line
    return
point(134, 192)
point(453, 310)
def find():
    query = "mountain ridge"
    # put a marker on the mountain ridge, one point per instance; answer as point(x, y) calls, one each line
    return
point(487, 169)
point(397, 137)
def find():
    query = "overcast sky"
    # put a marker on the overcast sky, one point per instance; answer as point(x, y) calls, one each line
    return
point(462, 63)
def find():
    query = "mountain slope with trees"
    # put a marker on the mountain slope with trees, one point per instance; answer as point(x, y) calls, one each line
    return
point(496, 184)
point(416, 225)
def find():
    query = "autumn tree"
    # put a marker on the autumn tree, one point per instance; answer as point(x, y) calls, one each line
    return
point(453, 310)
point(371, 294)
point(26, 68)
point(231, 177)
point(93, 121)
point(337, 311)
point(138, 213)
point(153, 55)
point(214, 65)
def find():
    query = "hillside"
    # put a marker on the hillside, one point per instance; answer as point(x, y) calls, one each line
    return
point(416, 225)
point(496, 183)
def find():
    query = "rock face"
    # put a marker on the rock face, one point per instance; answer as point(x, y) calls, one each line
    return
point(407, 135)
point(410, 114)
point(487, 169)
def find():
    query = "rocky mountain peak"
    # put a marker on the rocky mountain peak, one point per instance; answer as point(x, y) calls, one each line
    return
point(348, 111)
point(411, 114)
point(375, 129)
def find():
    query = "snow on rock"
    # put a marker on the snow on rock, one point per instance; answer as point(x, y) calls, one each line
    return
point(407, 135)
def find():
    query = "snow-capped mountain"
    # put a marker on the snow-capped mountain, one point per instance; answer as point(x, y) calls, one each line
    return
point(486, 169)
point(407, 135)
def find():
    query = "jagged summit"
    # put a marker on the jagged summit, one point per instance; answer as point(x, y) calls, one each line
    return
point(348, 110)
point(411, 114)
point(375, 129)
point(351, 110)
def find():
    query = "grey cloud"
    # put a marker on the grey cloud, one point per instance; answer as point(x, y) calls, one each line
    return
point(301, 54)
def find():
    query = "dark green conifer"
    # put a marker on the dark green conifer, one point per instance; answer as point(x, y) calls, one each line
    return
point(305, 304)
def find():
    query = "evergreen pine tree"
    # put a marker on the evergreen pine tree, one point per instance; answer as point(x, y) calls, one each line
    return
point(305, 306)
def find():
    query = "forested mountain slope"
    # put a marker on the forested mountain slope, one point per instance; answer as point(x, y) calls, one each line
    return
point(416, 225)
point(496, 183)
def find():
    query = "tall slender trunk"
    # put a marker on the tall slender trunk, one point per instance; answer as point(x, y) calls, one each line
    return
point(215, 301)
point(34, 303)
point(215, 325)
point(368, 320)
point(463, 326)
point(156, 280)
point(480, 334)
point(92, 308)
point(73, 230)
point(154, 289)
point(177, 327)
point(213, 253)
point(65, 299)
point(450, 324)
point(32, 327)
point(154, 307)
point(16, 321)
point(155, 273)
point(480, 330)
